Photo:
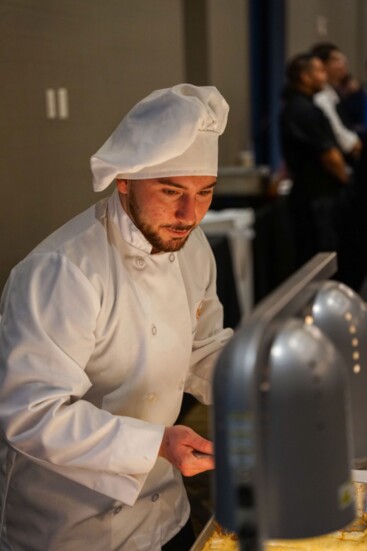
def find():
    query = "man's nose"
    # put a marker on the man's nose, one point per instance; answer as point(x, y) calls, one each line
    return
point(186, 210)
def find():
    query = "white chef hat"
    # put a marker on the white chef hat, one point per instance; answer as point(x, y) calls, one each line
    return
point(171, 132)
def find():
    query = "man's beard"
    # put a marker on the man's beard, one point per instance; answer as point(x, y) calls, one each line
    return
point(158, 244)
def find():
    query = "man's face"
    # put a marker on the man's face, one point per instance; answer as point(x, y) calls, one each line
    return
point(166, 210)
point(316, 76)
point(336, 67)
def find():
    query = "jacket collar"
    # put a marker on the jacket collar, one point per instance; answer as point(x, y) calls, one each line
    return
point(128, 230)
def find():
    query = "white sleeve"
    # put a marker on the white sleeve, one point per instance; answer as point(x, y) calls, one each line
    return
point(48, 317)
point(345, 138)
point(209, 340)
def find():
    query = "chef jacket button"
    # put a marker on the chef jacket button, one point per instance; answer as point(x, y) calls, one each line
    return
point(155, 497)
point(171, 257)
point(154, 330)
point(140, 262)
point(117, 510)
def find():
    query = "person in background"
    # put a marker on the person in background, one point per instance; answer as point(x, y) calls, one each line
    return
point(353, 101)
point(328, 99)
point(313, 159)
point(104, 326)
point(358, 227)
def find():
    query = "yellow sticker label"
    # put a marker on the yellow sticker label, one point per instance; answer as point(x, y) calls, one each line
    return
point(345, 495)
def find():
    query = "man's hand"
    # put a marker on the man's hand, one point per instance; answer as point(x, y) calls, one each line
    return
point(178, 446)
point(357, 149)
point(333, 161)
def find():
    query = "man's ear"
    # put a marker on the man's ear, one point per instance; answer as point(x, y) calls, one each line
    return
point(121, 185)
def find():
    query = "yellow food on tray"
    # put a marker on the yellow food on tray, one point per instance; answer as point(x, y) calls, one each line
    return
point(353, 538)
point(221, 540)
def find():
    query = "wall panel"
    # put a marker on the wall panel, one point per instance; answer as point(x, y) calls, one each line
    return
point(340, 21)
point(108, 54)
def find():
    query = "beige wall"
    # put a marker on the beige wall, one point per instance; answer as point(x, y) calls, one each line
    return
point(108, 54)
point(343, 22)
point(229, 69)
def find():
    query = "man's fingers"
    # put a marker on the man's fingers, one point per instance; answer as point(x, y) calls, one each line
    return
point(178, 445)
point(205, 447)
point(201, 455)
point(196, 463)
point(201, 444)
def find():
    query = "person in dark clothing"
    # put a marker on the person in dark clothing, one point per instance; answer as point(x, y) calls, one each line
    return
point(329, 99)
point(313, 159)
point(352, 101)
point(353, 233)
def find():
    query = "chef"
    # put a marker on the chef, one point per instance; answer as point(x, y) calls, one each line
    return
point(104, 326)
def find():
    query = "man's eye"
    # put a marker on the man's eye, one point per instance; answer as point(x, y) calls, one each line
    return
point(205, 192)
point(170, 191)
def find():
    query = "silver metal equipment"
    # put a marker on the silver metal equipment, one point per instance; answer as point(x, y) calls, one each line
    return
point(290, 411)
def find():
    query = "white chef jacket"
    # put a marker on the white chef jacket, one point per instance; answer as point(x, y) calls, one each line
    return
point(327, 99)
point(98, 341)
